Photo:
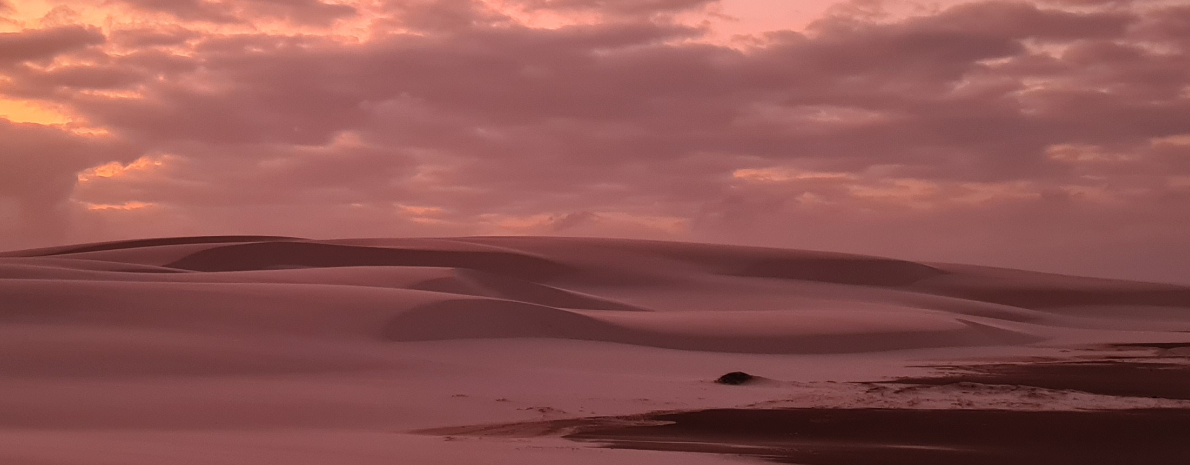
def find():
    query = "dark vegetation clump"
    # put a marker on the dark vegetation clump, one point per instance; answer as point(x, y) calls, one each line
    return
point(735, 378)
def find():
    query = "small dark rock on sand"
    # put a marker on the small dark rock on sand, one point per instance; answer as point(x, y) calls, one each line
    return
point(735, 378)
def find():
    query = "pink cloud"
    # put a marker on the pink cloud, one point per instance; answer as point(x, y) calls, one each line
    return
point(42, 44)
point(616, 6)
point(955, 134)
point(38, 170)
point(222, 11)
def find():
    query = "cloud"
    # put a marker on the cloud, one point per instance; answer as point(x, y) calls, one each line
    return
point(38, 172)
point(193, 10)
point(219, 11)
point(140, 39)
point(42, 44)
point(1019, 20)
point(988, 123)
point(617, 7)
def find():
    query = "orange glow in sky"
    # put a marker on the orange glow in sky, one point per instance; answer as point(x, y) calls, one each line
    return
point(929, 121)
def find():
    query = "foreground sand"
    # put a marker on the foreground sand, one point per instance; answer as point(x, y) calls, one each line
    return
point(518, 350)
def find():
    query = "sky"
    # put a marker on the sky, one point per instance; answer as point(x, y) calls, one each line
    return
point(1047, 135)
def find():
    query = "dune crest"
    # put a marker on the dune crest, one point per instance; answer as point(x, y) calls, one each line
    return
point(262, 350)
point(806, 331)
point(716, 298)
point(281, 255)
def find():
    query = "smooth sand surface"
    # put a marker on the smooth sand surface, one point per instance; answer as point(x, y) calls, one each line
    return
point(265, 350)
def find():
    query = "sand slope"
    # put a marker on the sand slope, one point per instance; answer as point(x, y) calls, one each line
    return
point(370, 335)
point(670, 295)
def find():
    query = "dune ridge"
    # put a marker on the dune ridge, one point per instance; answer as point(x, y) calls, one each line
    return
point(579, 289)
point(257, 350)
point(740, 332)
point(275, 255)
point(138, 243)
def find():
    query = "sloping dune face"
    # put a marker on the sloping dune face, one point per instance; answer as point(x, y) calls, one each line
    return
point(692, 297)
point(267, 350)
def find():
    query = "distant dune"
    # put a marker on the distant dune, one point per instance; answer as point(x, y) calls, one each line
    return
point(272, 334)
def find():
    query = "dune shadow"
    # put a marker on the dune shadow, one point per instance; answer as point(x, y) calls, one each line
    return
point(279, 255)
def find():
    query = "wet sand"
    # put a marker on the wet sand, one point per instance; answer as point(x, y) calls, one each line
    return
point(1108, 377)
point(920, 435)
point(492, 350)
point(914, 437)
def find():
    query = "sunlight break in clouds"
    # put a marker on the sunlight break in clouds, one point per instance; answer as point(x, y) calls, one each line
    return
point(1026, 134)
point(116, 169)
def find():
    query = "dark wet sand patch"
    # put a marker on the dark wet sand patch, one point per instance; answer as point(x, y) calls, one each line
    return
point(1128, 378)
point(913, 437)
point(1153, 345)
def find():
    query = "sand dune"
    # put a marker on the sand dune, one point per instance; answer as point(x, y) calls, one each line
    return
point(548, 288)
point(478, 283)
point(348, 336)
point(803, 331)
point(284, 254)
point(139, 244)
